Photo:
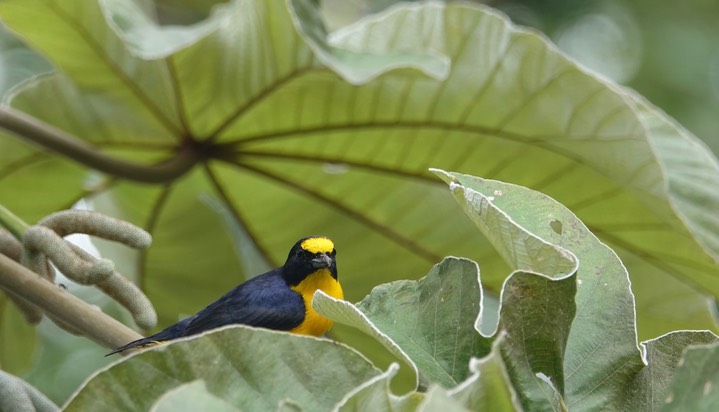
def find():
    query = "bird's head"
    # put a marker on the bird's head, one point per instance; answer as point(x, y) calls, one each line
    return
point(309, 255)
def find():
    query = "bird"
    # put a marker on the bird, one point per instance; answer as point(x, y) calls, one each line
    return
point(279, 299)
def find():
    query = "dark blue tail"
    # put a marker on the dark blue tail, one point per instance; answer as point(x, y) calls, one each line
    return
point(172, 332)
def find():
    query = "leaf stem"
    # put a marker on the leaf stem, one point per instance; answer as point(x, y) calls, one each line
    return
point(42, 134)
point(12, 222)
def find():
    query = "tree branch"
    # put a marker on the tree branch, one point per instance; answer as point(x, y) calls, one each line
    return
point(83, 317)
point(33, 130)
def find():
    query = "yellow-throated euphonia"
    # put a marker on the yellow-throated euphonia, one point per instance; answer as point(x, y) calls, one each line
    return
point(279, 299)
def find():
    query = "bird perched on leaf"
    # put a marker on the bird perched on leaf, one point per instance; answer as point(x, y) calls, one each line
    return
point(280, 299)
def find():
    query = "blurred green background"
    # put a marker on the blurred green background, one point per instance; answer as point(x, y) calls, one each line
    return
point(666, 51)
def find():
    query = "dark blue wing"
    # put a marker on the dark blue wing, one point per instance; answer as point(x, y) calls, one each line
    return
point(265, 301)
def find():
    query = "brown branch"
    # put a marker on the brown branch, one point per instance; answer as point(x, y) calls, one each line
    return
point(71, 310)
point(34, 131)
point(12, 248)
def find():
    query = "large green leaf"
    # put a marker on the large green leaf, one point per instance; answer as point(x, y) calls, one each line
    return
point(251, 369)
point(301, 133)
point(536, 315)
point(604, 302)
point(432, 319)
point(590, 359)
point(694, 385)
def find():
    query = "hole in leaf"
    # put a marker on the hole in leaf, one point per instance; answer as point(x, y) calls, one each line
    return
point(556, 226)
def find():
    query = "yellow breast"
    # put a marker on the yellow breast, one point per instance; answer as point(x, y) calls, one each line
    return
point(314, 324)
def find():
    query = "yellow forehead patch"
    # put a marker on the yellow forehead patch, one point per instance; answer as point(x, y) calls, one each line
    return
point(317, 245)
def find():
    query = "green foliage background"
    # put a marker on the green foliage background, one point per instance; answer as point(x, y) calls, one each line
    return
point(308, 133)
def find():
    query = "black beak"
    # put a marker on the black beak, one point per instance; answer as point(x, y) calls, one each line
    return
point(322, 261)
